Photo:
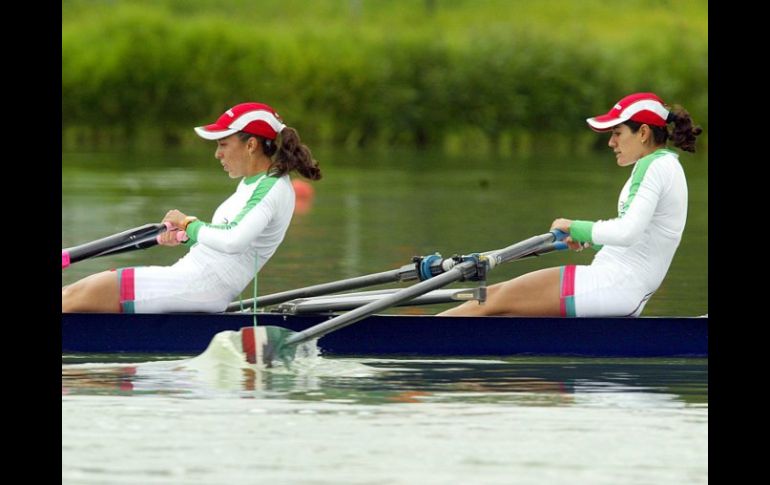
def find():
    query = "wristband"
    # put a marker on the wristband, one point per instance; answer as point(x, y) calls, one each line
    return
point(187, 221)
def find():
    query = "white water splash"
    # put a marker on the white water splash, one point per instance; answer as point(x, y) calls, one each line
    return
point(225, 350)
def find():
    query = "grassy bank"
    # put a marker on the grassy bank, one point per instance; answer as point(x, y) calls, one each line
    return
point(465, 75)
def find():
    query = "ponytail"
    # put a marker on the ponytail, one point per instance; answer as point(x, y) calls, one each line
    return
point(683, 132)
point(292, 154)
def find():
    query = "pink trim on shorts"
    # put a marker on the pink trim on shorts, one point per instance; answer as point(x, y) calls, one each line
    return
point(127, 293)
point(567, 296)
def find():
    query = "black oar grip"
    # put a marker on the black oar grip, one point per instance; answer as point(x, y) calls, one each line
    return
point(137, 238)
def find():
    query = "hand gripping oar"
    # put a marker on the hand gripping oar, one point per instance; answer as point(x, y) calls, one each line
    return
point(281, 343)
point(130, 240)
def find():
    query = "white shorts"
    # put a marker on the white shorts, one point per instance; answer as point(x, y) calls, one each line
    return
point(166, 289)
point(588, 291)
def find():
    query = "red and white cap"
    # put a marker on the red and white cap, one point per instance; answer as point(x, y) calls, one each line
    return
point(645, 108)
point(255, 118)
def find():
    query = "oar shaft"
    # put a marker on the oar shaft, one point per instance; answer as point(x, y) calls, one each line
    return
point(405, 273)
point(349, 301)
point(521, 249)
point(336, 323)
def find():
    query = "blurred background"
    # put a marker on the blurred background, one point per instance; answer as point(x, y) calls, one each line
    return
point(440, 125)
point(364, 73)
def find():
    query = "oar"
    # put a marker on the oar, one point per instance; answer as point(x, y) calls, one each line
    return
point(132, 239)
point(348, 301)
point(281, 343)
point(407, 272)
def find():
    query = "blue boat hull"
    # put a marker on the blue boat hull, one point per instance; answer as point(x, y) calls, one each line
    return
point(401, 334)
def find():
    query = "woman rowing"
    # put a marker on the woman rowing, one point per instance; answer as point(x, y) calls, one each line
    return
point(635, 249)
point(253, 144)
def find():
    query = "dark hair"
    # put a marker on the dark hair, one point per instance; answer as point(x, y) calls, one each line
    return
point(682, 134)
point(290, 154)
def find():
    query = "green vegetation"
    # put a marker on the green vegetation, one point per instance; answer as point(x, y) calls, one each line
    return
point(494, 75)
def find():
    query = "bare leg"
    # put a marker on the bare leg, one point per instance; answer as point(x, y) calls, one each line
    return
point(533, 294)
point(99, 293)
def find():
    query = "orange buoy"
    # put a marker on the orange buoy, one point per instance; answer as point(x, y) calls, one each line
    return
point(304, 194)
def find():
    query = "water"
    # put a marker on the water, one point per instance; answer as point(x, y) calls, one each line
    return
point(386, 421)
point(179, 419)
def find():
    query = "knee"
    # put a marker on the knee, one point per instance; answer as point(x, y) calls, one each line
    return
point(68, 299)
point(72, 297)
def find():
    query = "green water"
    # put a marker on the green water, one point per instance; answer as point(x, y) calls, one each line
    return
point(373, 211)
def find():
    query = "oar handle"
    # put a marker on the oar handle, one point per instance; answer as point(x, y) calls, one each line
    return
point(559, 235)
point(137, 238)
point(432, 265)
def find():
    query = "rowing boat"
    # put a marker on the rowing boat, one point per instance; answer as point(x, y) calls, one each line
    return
point(182, 333)
point(309, 313)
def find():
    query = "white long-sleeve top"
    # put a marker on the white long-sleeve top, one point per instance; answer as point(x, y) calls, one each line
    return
point(652, 211)
point(245, 231)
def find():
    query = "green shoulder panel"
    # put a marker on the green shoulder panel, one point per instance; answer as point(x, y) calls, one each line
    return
point(640, 169)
